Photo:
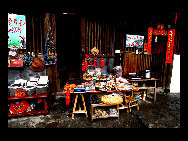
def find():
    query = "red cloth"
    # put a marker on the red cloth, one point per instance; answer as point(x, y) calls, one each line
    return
point(68, 98)
point(95, 62)
point(19, 108)
point(102, 62)
point(83, 66)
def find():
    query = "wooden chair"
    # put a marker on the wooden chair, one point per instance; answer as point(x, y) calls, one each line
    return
point(130, 102)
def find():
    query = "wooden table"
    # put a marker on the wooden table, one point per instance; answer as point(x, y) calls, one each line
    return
point(146, 88)
point(88, 92)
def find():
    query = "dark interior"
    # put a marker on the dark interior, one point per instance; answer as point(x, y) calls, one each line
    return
point(68, 47)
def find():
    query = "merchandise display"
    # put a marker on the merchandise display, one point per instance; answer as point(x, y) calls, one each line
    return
point(112, 99)
point(34, 86)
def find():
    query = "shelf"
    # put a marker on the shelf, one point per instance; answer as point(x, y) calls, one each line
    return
point(146, 87)
point(31, 96)
point(98, 105)
point(32, 112)
point(105, 117)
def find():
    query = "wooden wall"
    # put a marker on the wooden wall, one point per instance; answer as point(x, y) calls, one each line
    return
point(37, 27)
point(133, 63)
point(99, 34)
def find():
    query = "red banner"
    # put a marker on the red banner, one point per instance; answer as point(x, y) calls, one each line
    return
point(170, 45)
point(150, 33)
point(160, 32)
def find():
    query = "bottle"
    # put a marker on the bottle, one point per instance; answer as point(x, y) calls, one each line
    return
point(137, 51)
point(144, 96)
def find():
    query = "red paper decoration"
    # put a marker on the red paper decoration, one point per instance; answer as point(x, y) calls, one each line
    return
point(68, 97)
point(83, 65)
point(150, 33)
point(102, 62)
point(170, 45)
point(95, 62)
point(20, 93)
point(160, 32)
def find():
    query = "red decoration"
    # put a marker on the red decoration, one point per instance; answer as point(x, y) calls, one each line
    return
point(160, 26)
point(170, 45)
point(102, 62)
point(150, 33)
point(176, 18)
point(68, 97)
point(160, 32)
point(16, 63)
point(145, 47)
point(95, 61)
point(20, 93)
point(19, 108)
point(83, 66)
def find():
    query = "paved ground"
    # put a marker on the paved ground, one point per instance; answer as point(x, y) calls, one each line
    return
point(165, 113)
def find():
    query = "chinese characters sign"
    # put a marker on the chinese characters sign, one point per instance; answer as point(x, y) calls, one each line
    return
point(150, 33)
point(170, 45)
point(16, 31)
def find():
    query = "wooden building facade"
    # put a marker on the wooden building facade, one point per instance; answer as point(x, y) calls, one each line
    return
point(106, 35)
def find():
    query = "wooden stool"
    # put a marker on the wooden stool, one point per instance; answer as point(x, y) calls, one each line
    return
point(79, 111)
point(129, 103)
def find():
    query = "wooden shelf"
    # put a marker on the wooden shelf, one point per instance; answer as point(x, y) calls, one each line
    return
point(105, 117)
point(100, 105)
point(31, 96)
point(146, 88)
point(32, 112)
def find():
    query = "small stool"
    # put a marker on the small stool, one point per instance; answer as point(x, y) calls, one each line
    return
point(79, 111)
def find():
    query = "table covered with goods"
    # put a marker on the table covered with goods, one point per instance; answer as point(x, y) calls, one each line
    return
point(107, 94)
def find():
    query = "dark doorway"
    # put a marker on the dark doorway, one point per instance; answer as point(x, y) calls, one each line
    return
point(68, 48)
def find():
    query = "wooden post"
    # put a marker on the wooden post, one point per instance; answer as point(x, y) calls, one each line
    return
point(87, 28)
point(92, 34)
point(89, 36)
point(155, 91)
point(33, 27)
point(41, 45)
point(95, 35)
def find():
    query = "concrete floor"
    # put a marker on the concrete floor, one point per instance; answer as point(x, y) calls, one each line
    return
point(165, 113)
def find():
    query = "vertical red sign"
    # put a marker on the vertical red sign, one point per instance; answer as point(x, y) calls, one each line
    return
point(170, 45)
point(150, 33)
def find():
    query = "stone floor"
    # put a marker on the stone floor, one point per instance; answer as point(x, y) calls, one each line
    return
point(165, 113)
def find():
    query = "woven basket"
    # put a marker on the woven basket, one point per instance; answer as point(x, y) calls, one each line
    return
point(30, 90)
point(41, 89)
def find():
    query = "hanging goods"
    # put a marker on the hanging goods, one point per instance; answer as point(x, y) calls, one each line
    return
point(102, 62)
point(83, 66)
point(50, 57)
point(68, 97)
point(95, 61)
point(37, 64)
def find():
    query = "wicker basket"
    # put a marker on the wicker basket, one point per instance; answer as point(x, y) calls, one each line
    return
point(41, 89)
point(30, 90)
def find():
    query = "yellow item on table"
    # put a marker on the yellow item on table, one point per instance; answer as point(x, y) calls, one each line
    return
point(113, 99)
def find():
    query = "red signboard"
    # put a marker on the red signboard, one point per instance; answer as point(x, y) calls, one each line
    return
point(150, 33)
point(170, 45)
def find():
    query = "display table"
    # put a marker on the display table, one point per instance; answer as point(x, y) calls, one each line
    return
point(34, 96)
point(146, 87)
point(92, 105)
